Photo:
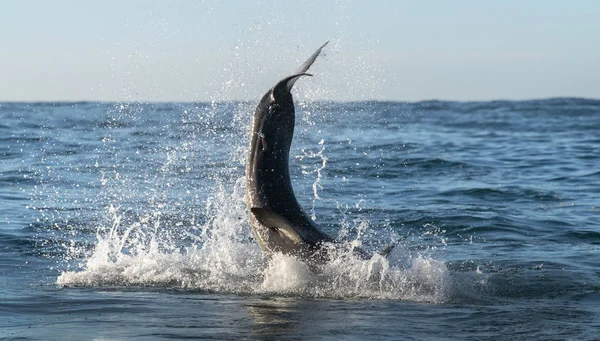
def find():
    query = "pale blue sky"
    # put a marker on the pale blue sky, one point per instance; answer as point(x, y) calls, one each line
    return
point(386, 50)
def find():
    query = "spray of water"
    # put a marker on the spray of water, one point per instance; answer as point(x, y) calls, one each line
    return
point(165, 243)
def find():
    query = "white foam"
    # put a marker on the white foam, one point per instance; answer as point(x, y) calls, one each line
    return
point(286, 275)
point(224, 258)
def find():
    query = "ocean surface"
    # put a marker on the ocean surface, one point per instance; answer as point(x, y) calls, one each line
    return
point(122, 221)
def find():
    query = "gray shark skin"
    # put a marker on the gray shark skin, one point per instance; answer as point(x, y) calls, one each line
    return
point(278, 221)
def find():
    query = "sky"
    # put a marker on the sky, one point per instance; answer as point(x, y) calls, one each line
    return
point(168, 50)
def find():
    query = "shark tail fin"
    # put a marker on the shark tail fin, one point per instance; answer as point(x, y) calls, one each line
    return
point(285, 85)
point(306, 65)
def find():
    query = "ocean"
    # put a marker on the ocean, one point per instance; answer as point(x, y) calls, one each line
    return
point(124, 221)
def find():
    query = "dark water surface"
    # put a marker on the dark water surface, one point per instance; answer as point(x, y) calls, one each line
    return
point(127, 221)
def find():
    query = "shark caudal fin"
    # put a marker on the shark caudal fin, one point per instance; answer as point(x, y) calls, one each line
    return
point(306, 65)
point(285, 85)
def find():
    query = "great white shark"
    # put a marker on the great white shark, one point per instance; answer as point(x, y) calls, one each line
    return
point(278, 221)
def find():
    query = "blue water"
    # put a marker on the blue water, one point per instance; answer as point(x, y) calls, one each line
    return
point(127, 221)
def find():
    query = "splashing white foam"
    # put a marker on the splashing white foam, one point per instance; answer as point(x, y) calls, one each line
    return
point(224, 258)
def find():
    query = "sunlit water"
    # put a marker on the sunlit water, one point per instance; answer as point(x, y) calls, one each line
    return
point(124, 221)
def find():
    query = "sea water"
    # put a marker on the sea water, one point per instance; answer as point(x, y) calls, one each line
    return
point(128, 221)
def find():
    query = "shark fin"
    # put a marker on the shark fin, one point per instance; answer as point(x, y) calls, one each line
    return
point(285, 85)
point(306, 65)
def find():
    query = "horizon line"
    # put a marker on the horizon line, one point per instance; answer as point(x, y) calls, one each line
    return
point(316, 101)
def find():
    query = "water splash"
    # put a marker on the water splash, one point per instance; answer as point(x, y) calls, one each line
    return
point(307, 170)
point(223, 257)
